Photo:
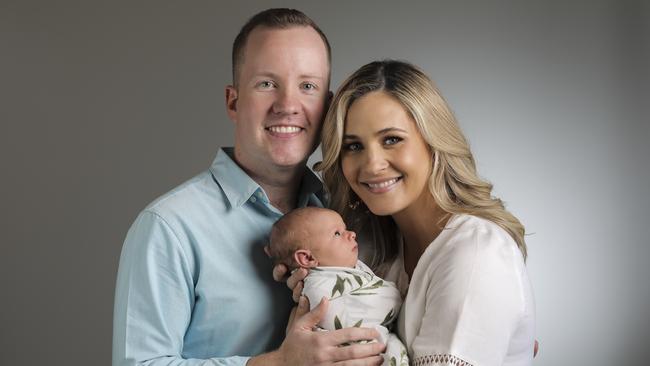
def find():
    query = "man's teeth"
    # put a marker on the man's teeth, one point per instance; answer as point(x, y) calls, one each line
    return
point(284, 129)
point(382, 184)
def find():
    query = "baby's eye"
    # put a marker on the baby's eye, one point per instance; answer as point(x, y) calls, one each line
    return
point(337, 233)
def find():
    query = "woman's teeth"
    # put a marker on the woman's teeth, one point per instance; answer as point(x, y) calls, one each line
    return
point(382, 184)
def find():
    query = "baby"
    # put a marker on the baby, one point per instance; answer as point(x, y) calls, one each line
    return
point(317, 239)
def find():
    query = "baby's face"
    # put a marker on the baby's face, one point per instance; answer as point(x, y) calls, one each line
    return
point(330, 242)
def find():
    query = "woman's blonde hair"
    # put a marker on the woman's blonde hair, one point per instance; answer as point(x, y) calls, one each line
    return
point(454, 182)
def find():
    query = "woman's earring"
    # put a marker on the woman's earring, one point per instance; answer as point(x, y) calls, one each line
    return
point(353, 205)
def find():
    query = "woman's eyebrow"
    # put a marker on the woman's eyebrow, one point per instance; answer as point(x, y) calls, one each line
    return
point(390, 129)
point(380, 132)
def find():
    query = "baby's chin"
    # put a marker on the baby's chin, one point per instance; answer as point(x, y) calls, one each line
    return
point(354, 262)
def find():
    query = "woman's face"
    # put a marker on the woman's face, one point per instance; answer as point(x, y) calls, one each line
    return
point(384, 157)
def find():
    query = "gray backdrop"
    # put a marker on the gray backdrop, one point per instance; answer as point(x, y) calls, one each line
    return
point(106, 105)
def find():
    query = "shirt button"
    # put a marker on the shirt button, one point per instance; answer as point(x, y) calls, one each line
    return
point(253, 199)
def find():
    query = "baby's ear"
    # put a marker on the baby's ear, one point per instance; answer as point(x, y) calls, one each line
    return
point(304, 258)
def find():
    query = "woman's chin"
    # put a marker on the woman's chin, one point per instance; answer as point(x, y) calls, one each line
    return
point(381, 210)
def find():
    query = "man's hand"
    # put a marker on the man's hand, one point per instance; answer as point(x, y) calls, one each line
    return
point(294, 282)
point(303, 346)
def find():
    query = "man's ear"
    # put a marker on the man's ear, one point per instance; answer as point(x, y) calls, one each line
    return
point(304, 258)
point(231, 102)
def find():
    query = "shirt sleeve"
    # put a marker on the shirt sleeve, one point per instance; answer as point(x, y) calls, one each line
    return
point(473, 302)
point(154, 298)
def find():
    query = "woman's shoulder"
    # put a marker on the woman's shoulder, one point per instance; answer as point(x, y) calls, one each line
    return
point(468, 238)
point(462, 227)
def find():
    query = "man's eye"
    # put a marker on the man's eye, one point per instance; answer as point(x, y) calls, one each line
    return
point(265, 84)
point(392, 140)
point(309, 86)
point(337, 233)
point(353, 146)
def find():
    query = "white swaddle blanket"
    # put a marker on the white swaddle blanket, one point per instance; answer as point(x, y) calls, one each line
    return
point(358, 298)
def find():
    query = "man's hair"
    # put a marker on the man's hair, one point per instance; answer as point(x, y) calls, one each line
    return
point(279, 18)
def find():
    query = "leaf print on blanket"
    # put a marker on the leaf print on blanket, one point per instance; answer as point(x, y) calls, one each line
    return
point(403, 359)
point(388, 318)
point(339, 287)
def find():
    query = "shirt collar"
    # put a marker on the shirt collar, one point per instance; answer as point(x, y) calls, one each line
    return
point(239, 187)
point(312, 192)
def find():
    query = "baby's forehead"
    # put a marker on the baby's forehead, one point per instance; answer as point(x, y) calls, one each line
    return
point(314, 221)
point(311, 220)
point(310, 214)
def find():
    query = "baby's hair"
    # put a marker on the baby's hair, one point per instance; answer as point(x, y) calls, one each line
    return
point(287, 236)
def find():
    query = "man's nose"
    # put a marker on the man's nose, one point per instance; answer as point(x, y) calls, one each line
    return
point(287, 101)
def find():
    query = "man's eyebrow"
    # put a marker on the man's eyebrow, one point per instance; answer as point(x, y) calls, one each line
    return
point(267, 74)
point(378, 133)
point(310, 76)
point(273, 75)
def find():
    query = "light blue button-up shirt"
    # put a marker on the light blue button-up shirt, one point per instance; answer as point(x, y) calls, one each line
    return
point(194, 286)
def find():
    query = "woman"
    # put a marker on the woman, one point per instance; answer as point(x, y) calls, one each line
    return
point(396, 163)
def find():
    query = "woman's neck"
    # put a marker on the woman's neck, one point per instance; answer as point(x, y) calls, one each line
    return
point(419, 226)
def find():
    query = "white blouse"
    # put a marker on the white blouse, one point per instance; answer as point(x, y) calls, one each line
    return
point(470, 302)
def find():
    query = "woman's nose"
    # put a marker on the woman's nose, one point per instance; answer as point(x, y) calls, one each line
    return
point(375, 160)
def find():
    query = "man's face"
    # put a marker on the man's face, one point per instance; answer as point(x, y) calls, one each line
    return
point(278, 104)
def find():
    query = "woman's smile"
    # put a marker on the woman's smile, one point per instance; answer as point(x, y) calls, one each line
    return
point(382, 186)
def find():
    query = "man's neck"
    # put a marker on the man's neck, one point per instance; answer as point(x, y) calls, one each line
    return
point(281, 184)
point(282, 193)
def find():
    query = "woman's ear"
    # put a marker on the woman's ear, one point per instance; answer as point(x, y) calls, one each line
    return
point(304, 258)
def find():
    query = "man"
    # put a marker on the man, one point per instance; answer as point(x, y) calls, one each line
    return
point(194, 286)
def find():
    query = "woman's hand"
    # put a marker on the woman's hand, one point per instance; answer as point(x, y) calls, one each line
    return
point(303, 346)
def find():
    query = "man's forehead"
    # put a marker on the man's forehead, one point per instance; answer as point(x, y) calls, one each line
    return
point(263, 34)
point(300, 40)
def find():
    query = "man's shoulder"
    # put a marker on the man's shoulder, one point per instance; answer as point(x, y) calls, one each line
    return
point(193, 194)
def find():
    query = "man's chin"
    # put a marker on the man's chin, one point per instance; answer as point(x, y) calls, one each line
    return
point(289, 164)
point(289, 159)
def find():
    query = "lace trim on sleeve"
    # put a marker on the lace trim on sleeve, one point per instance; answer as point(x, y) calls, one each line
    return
point(444, 360)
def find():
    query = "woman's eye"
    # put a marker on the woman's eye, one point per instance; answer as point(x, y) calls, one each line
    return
point(392, 140)
point(353, 146)
point(337, 233)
